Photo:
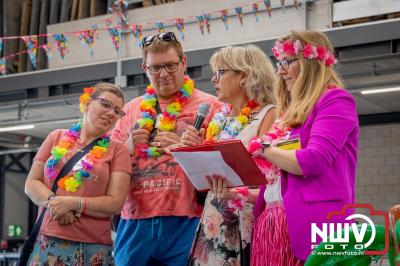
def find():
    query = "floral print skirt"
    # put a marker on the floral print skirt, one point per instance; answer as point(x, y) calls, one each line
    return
point(223, 236)
point(59, 252)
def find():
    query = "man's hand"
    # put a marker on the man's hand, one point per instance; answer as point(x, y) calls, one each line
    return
point(140, 136)
point(165, 139)
point(168, 149)
point(192, 136)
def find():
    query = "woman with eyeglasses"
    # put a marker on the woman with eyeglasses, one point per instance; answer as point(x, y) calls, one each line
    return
point(76, 229)
point(314, 144)
point(243, 78)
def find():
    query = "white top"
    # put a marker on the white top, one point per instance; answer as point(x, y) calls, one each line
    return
point(251, 130)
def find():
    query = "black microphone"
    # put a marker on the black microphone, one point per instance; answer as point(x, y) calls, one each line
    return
point(204, 108)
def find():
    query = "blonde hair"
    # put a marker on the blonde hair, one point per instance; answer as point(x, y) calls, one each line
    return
point(313, 80)
point(255, 64)
point(160, 46)
point(102, 87)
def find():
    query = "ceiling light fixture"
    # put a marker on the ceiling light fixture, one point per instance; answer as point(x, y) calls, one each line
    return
point(380, 90)
point(14, 128)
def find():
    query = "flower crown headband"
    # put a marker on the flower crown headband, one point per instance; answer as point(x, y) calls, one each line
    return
point(309, 51)
point(85, 97)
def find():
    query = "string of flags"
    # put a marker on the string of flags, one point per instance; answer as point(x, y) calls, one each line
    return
point(87, 37)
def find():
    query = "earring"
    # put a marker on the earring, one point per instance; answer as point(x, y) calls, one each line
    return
point(241, 84)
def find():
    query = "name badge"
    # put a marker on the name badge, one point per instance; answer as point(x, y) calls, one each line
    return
point(289, 145)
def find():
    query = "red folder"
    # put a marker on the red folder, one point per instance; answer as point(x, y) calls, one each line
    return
point(236, 156)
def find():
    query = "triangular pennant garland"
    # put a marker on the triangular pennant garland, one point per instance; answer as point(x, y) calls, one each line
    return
point(255, 11)
point(87, 37)
point(224, 17)
point(118, 9)
point(207, 18)
point(2, 66)
point(2, 60)
point(180, 25)
point(267, 4)
point(114, 33)
point(47, 49)
point(160, 27)
point(31, 43)
point(200, 22)
point(62, 43)
point(137, 31)
point(239, 13)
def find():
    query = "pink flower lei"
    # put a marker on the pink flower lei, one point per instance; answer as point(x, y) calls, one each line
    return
point(309, 51)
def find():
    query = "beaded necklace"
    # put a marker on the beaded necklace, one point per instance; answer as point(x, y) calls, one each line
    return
point(166, 120)
point(228, 129)
point(72, 182)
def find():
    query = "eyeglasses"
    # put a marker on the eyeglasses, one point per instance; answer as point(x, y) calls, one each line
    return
point(285, 63)
point(165, 36)
point(170, 68)
point(107, 106)
point(219, 72)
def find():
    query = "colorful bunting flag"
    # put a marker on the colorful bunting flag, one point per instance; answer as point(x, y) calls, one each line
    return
point(255, 10)
point(180, 25)
point(32, 45)
point(207, 18)
point(87, 37)
point(239, 13)
point(121, 3)
point(47, 49)
point(224, 17)
point(160, 27)
point(2, 61)
point(62, 43)
point(114, 33)
point(2, 66)
point(137, 31)
point(119, 8)
point(200, 22)
point(267, 4)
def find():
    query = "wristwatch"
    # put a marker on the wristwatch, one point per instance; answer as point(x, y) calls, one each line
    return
point(266, 145)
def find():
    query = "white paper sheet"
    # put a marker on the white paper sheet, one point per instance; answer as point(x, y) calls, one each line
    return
point(199, 164)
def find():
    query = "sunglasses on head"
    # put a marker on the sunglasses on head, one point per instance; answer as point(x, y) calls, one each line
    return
point(165, 36)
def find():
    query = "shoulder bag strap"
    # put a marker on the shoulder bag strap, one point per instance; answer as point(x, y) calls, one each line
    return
point(30, 241)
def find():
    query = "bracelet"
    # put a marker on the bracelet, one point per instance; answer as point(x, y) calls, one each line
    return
point(241, 199)
point(85, 205)
point(79, 207)
point(51, 196)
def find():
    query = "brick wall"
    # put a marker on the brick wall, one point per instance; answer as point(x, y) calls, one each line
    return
point(378, 171)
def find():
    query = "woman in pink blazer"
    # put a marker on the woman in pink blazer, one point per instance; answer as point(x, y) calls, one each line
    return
point(319, 177)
